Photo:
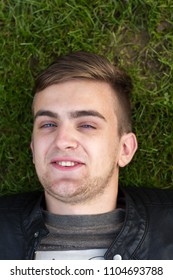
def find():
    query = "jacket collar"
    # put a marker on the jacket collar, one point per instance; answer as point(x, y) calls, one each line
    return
point(33, 223)
point(133, 230)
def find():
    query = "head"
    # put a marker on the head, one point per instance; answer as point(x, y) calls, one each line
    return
point(82, 132)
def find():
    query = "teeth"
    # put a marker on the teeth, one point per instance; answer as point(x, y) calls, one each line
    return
point(66, 163)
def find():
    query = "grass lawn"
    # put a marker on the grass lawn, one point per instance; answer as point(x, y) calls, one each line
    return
point(136, 34)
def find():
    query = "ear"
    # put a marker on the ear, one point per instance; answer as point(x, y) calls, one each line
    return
point(32, 149)
point(129, 146)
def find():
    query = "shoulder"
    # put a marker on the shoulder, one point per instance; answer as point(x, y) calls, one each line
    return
point(151, 212)
point(150, 196)
point(19, 201)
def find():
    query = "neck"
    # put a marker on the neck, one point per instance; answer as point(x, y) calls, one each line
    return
point(102, 204)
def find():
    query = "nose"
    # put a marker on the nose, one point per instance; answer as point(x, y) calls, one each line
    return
point(66, 138)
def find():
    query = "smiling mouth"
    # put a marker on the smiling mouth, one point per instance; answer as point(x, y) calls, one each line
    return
point(66, 165)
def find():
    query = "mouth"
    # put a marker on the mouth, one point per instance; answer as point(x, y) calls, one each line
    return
point(66, 164)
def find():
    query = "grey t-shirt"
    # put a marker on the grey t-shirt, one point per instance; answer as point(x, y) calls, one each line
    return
point(79, 236)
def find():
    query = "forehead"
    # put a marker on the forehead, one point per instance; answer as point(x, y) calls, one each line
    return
point(76, 94)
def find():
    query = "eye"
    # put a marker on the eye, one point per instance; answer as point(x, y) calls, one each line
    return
point(88, 126)
point(47, 125)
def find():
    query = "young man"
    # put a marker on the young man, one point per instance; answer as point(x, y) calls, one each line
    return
point(82, 135)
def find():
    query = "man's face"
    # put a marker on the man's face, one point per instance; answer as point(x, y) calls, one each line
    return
point(75, 142)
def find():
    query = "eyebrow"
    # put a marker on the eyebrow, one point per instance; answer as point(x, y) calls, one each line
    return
point(47, 113)
point(73, 114)
point(84, 113)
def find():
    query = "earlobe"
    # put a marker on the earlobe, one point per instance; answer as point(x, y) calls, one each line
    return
point(129, 146)
point(32, 149)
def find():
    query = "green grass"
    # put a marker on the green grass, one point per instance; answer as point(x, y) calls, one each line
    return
point(138, 35)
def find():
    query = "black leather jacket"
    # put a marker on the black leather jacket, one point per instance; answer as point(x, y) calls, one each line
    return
point(147, 232)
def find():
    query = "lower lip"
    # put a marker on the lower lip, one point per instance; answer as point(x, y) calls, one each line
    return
point(66, 168)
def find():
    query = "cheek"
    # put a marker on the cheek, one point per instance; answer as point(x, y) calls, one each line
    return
point(110, 148)
point(39, 148)
point(101, 149)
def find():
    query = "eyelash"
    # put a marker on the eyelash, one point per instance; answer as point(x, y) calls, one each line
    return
point(88, 126)
point(50, 125)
